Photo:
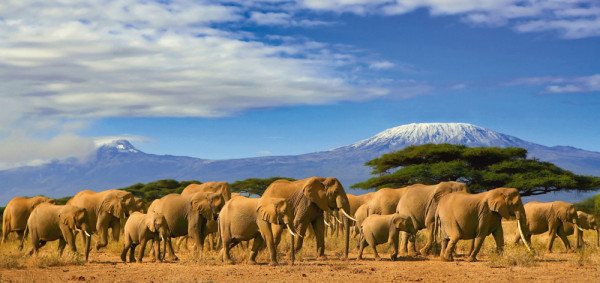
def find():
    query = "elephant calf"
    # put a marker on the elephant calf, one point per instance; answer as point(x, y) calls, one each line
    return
point(49, 222)
point(380, 229)
point(140, 228)
point(243, 219)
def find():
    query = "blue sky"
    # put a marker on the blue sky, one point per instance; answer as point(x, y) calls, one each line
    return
point(236, 79)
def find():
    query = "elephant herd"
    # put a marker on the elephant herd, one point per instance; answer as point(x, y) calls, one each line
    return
point(317, 204)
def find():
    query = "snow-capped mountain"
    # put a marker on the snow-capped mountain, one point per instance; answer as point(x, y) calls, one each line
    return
point(118, 163)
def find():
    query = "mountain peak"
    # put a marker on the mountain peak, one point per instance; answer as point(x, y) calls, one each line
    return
point(437, 133)
point(118, 146)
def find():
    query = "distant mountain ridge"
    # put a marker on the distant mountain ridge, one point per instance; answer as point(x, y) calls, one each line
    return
point(119, 164)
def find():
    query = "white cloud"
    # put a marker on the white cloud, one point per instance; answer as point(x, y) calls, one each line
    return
point(264, 152)
point(562, 84)
point(380, 65)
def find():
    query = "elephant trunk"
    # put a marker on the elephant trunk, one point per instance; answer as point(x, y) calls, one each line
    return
point(344, 206)
point(598, 237)
point(522, 221)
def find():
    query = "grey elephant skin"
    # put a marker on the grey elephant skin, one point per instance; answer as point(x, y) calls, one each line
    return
point(141, 228)
point(17, 212)
point(463, 216)
point(50, 222)
point(380, 229)
point(244, 219)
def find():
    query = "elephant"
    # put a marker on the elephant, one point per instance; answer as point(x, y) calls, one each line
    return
point(140, 206)
point(420, 203)
point(355, 202)
point(587, 222)
point(380, 229)
point(309, 198)
point(360, 215)
point(244, 219)
point(385, 201)
point(50, 222)
point(188, 215)
point(17, 212)
point(212, 226)
point(106, 210)
point(555, 217)
point(461, 215)
point(140, 228)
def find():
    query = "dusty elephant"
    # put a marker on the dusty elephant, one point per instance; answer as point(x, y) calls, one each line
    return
point(188, 215)
point(222, 188)
point(556, 218)
point(385, 201)
point(309, 198)
point(105, 209)
point(139, 229)
point(356, 202)
point(420, 203)
point(586, 222)
point(17, 212)
point(50, 222)
point(380, 229)
point(244, 219)
point(475, 216)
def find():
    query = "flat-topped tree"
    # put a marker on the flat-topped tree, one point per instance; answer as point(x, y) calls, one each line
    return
point(481, 168)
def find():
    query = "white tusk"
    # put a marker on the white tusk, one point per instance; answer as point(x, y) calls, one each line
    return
point(87, 234)
point(162, 238)
point(336, 219)
point(522, 236)
point(346, 214)
point(579, 228)
point(326, 222)
point(290, 230)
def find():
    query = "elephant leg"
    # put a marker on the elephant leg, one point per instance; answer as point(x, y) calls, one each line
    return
point(301, 228)
point(227, 245)
point(171, 251)
point(258, 242)
point(21, 236)
point(143, 248)
point(103, 240)
point(429, 243)
point(499, 238)
point(412, 245)
point(319, 228)
point(404, 243)
point(126, 247)
point(362, 244)
point(61, 245)
point(116, 230)
point(449, 250)
point(374, 247)
point(394, 235)
point(563, 237)
point(477, 243)
point(267, 235)
point(551, 237)
point(132, 252)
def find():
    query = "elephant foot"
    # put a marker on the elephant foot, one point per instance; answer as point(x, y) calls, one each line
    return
point(414, 253)
point(322, 257)
point(139, 260)
point(359, 257)
point(394, 257)
point(447, 258)
point(425, 250)
point(377, 258)
point(123, 258)
point(132, 260)
point(273, 263)
point(471, 259)
point(251, 262)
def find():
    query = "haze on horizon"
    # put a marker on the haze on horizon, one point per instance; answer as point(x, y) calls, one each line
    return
point(232, 79)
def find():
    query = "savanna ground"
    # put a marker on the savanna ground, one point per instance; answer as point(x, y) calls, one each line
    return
point(516, 264)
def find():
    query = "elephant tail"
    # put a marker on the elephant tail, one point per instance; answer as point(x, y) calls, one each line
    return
point(24, 235)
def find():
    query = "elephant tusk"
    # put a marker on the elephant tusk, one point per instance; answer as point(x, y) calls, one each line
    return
point(87, 234)
point(347, 215)
point(162, 238)
point(290, 230)
point(336, 219)
point(523, 236)
point(326, 223)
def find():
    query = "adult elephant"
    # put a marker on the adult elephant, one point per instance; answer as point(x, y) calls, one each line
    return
point(385, 201)
point(244, 219)
point(556, 218)
point(420, 202)
point(188, 215)
point(212, 226)
point(50, 222)
point(105, 209)
point(309, 198)
point(475, 216)
point(356, 202)
point(17, 212)
point(586, 222)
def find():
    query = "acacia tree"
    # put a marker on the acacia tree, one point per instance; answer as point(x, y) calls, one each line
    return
point(481, 168)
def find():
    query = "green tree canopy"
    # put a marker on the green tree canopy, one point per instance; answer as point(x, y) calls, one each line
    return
point(481, 168)
point(158, 189)
point(254, 186)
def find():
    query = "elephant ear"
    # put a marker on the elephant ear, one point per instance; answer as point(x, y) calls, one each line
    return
point(151, 222)
point(68, 219)
point(315, 191)
point(498, 204)
point(113, 207)
point(267, 209)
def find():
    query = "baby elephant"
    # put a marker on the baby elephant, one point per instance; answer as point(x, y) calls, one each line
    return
point(140, 228)
point(50, 222)
point(380, 229)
